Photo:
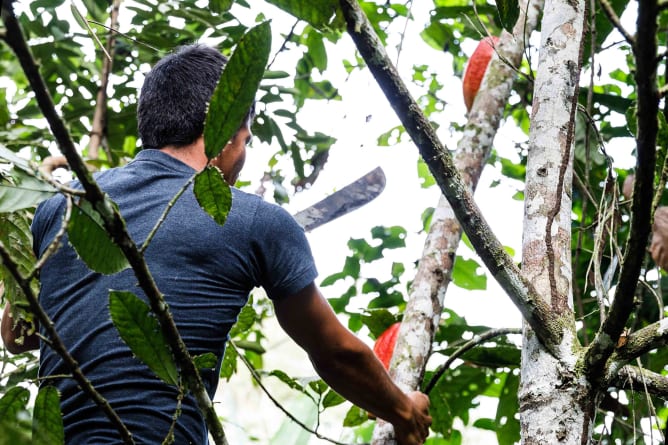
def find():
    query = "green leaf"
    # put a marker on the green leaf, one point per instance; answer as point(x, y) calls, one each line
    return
point(632, 119)
point(220, 6)
point(509, 12)
point(425, 174)
point(507, 425)
point(248, 345)
point(206, 361)
point(236, 88)
point(292, 383)
point(321, 15)
point(91, 241)
point(378, 320)
point(465, 275)
point(140, 330)
point(4, 110)
point(14, 401)
point(229, 365)
point(319, 386)
point(47, 422)
point(23, 191)
point(14, 425)
point(246, 318)
point(16, 237)
point(332, 398)
point(355, 417)
point(15, 159)
point(213, 194)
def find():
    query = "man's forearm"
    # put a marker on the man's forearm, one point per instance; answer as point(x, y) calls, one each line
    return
point(360, 377)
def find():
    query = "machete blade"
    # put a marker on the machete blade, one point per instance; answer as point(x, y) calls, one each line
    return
point(343, 201)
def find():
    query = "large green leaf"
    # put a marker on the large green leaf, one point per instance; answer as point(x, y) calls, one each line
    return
point(14, 401)
point(91, 241)
point(47, 423)
point(13, 413)
point(22, 191)
point(15, 235)
point(140, 330)
point(236, 88)
point(509, 12)
point(321, 15)
point(213, 194)
point(15, 159)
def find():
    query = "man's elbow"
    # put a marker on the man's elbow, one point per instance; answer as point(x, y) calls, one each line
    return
point(15, 337)
point(16, 346)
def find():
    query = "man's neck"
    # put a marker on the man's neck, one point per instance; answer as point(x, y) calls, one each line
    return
point(192, 155)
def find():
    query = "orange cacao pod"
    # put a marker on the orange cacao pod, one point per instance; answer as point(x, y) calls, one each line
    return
point(475, 69)
point(384, 346)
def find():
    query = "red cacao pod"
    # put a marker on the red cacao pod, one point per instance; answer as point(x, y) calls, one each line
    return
point(384, 346)
point(476, 67)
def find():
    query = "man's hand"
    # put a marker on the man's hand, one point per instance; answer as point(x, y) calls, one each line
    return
point(416, 430)
point(349, 366)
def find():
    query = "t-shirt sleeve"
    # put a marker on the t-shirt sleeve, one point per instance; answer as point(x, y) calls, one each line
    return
point(42, 226)
point(282, 252)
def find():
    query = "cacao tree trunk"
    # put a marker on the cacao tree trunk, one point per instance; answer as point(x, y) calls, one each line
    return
point(427, 292)
point(556, 400)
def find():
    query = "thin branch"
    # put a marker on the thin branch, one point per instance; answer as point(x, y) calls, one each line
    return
point(475, 341)
point(125, 36)
point(162, 218)
point(264, 389)
point(54, 245)
point(56, 343)
point(630, 377)
point(614, 19)
point(284, 44)
point(645, 49)
point(113, 224)
point(97, 133)
point(80, 18)
point(536, 311)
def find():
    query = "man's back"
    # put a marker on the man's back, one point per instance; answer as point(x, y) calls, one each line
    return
point(205, 272)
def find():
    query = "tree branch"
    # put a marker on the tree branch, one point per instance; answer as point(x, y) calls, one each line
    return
point(427, 292)
point(56, 343)
point(643, 189)
point(614, 19)
point(258, 380)
point(113, 223)
point(641, 341)
point(440, 162)
point(475, 341)
point(632, 378)
point(98, 131)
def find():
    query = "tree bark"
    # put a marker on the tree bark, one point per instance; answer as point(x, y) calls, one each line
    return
point(98, 131)
point(556, 399)
point(427, 293)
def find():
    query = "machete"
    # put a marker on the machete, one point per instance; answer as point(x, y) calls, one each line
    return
point(343, 201)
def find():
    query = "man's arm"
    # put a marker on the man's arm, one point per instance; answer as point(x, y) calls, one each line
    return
point(349, 366)
point(11, 332)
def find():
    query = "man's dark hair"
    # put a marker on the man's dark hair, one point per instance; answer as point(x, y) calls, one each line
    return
point(173, 100)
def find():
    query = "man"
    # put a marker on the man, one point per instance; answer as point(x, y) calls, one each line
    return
point(206, 273)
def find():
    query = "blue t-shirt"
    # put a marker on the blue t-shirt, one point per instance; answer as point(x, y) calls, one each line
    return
point(205, 271)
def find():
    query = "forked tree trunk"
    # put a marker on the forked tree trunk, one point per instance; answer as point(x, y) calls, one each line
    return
point(556, 400)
